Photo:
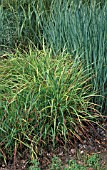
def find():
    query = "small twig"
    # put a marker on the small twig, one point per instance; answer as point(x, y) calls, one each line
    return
point(15, 152)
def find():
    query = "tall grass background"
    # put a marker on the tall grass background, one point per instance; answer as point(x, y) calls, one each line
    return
point(81, 29)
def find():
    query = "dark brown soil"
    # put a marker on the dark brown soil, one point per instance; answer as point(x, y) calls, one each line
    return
point(96, 143)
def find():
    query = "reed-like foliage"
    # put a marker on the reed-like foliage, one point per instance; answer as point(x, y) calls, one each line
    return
point(81, 29)
point(8, 31)
point(21, 22)
point(44, 99)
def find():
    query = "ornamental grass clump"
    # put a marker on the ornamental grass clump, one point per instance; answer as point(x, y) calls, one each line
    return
point(43, 99)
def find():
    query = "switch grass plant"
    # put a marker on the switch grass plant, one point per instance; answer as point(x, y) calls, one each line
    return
point(44, 99)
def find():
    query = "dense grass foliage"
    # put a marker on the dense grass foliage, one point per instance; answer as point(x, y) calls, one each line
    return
point(79, 27)
point(20, 23)
point(44, 99)
point(50, 94)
